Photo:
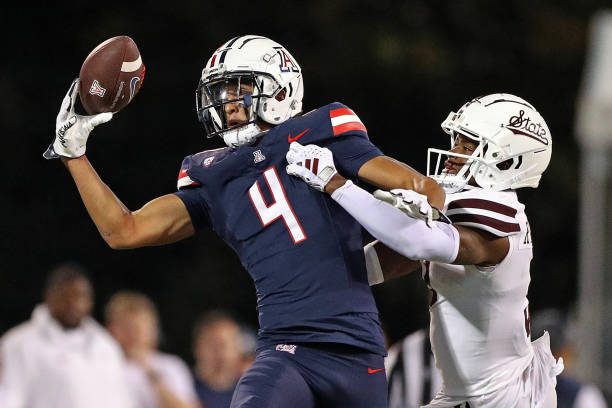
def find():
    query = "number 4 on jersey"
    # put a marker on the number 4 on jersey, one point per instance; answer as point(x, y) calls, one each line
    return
point(281, 208)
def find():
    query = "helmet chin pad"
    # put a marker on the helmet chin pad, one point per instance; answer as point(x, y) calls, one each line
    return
point(242, 135)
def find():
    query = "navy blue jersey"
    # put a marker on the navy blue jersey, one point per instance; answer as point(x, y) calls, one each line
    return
point(302, 250)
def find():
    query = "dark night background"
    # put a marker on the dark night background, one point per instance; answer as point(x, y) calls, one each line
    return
point(401, 66)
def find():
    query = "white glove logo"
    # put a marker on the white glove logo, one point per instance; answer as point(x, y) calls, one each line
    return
point(62, 131)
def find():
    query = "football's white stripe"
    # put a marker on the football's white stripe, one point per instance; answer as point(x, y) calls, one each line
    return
point(130, 66)
point(480, 211)
point(341, 120)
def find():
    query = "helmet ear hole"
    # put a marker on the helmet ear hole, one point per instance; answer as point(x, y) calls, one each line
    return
point(280, 96)
point(514, 163)
point(505, 165)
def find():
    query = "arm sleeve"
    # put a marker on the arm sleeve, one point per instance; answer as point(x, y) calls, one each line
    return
point(196, 206)
point(351, 151)
point(405, 235)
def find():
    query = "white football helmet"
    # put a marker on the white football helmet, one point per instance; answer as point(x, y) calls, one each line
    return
point(256, 72)
point(514, 145)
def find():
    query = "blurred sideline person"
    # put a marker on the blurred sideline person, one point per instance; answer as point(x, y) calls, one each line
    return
point(318, 320)
point(156, 379)
point(478, 266)
point(411, 371)
point(571, 393)
point(218, 352)
point(61, 357)
point(249, 347)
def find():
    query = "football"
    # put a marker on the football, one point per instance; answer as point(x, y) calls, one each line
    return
point(111, 75)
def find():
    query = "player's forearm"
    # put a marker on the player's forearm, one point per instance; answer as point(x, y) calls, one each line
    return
point(430, 188)
point(387, 173)
point(334, 183)
point(108, 213)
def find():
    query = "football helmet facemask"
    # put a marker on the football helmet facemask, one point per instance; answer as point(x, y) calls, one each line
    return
point(514, 145)
point(254, 73)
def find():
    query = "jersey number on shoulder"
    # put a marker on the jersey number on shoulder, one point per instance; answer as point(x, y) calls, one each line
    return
point(281, 208)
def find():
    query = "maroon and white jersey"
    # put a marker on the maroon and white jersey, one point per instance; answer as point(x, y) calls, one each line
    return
point(479, 334)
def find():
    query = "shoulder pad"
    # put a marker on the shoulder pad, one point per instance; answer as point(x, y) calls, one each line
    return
point(201, 159)
point(485, 211)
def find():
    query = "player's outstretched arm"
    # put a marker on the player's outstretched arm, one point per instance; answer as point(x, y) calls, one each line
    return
point(413, 238)
point(161, 221)
point(409, 236)
point(71, 129)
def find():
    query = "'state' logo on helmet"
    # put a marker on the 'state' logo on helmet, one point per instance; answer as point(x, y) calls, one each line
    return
point(520, 124)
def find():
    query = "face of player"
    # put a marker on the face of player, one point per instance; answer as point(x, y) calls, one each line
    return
point(463, 145)
point(236, 113)
point(70, 302)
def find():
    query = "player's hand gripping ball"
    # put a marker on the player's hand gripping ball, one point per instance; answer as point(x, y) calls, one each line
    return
point(111, 76)
point(71, 129)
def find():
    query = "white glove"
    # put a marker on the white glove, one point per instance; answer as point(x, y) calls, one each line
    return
point(71, 129)
point(311, 163)
point(411, 203)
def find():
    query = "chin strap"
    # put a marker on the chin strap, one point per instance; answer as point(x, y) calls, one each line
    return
point(242, 136)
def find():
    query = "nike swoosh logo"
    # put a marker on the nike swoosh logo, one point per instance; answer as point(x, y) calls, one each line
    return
point(293, 139)
point(374, 370)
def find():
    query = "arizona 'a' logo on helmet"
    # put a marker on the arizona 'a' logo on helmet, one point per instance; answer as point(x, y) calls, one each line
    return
point(514, 145)
point(256, 72)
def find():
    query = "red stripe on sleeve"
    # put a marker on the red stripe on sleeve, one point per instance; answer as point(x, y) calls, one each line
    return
point(340, 111)
point(345, 127)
